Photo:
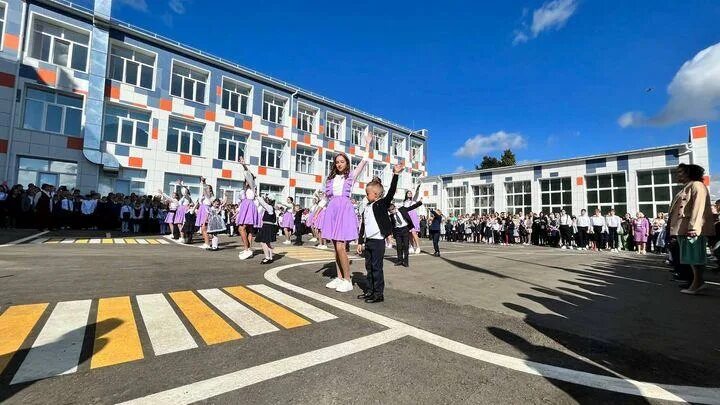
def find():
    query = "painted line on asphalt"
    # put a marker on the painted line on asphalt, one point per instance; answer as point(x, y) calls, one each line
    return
point(246, 319)
point(301, 307)
point(212, 387)
point(16, 323)
point(209, 325)
point(21, 240)
point(116, 334)
point(165, 329)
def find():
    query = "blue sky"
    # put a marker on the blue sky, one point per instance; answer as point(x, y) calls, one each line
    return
point(550, 78)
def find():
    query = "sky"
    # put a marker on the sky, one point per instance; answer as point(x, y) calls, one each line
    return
point(548, 78)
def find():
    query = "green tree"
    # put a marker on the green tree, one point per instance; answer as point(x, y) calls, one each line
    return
point(507, 158)
point(490, 162)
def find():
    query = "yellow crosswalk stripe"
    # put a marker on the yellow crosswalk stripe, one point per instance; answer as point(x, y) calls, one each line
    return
point(278, 314)
point(211, 327)
point(54, 240)
point(116, 334)
point(16, 323)
point(107, 241)
point(82, 241)
point(130, 240)
point(153, 241)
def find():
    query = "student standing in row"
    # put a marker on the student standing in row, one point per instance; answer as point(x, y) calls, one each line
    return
point(436, 228)
point(613, 223)
point(402, 228)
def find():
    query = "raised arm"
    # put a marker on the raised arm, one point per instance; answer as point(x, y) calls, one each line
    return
point(366, 156)
point(249, 177)
point(397, 169)
point(416, 194)
point(267, 207)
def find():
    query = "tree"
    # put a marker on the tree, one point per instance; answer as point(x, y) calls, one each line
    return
point(490, 162)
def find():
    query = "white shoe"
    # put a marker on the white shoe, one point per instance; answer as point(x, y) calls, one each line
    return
point(245, 254)
point(205, 246)
point(418, 251)
point(287, 242)
point(324, 247)
point(344, 286)
point(334, 283)
point(563, 247)
point(313, 240)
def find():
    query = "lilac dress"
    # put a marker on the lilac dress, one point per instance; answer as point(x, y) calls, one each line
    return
point(340, 222)
point(181, 210)
point(248, 212)
point(288, 220)
point(413, 216)
point(641, 229)
point(203, 211)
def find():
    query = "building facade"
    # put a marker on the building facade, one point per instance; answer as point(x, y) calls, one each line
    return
point(90, 102)
point(631, 181)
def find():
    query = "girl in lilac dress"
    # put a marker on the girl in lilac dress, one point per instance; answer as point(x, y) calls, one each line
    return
point(173, 203)
point(414, 239)
point(287, 223)
point(247, 213)
point(203, 211)
point(641, 230)
point(340, 224)
point(318, 220)
point(183, 206)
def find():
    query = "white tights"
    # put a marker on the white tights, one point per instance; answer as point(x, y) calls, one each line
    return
point(214, 241)
point(268, 250)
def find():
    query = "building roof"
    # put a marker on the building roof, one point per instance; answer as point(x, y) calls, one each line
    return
point(231, 66)
point(532, 165)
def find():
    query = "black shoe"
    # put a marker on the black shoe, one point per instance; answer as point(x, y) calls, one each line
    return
point(375, 298)
point(406, 265)
point(365, 296)
point(398, 264)
point(266, 261)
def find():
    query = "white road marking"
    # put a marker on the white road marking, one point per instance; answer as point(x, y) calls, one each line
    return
point(167, 333)
point(68, 240)
point(57, 348)
point(39, 241)
point(119, 240)
point(163, 242)
point(301, 307)
point(95, 240)
point(141, 241)
point(21, 240)
point(246, 319)
point(211, 387)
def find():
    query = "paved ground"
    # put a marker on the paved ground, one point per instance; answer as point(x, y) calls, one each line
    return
point(88, 317)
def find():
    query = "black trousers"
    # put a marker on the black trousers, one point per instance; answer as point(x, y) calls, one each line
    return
point(582, 236)
point(374, 253)
point(612, 238)
point(435, 235)
point(566, 235)
point(298, 233)
point(402, 244)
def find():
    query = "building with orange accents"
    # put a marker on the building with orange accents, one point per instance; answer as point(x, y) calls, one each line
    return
point(91, 102)
point(630, 181)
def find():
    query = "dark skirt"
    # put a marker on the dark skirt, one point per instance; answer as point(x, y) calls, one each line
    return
point(267, 234)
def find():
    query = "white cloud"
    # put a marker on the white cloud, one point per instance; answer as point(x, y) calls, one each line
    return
point(177, 6)
point(694, 93)
point(497, 141)
point(460, 169)
point(140, 5)
point(551, 15)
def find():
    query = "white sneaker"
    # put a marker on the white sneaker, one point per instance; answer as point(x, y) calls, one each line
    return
point(418, 251)
point(205, 246)
point(344, 286)
point(313, 240)
point(245, 254)
point(563, 247)
point(334, 283)
point(287, 242)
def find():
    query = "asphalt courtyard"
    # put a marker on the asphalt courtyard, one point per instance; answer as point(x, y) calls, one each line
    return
point(90, 317)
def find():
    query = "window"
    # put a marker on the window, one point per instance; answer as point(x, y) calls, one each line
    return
point(362, 176)
point(358, 133)
point(329, 162)
point(518, 197)
point(606, 191)
point(235, 96)
point(128, 181)
point(2, 23)
point(271, 154)
point(416, 152)
point(483, 198)
point(172, 184)
point(274, 108)
point(306, 118)
point(456, 201)
point(59, 45)
point(435, 189)
point(184, 137)
point(398, 146)
point(271, 190)
point(380, 140)
point(304, 160)
point(131, 66)
point(232, 189)
point(334, 127)
point(41, 171)
point(379, 171)
point(188, 83)
point(556, 195)
point(656, 190)
point(51, 111)
point(126, 126)
point(232, 145)
point(304, 197)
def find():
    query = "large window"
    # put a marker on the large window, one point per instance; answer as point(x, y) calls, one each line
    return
point(379, 171)
point(271, 190)
point(132, 66)
point(274, 108)
point(2, 24)
point(235, 96)
point(128, 181)
point(271, 154)
point(127, 126)
point(51, 111)
point(304, 159)
point(232, 189)
point(606, 191)
point(380, 140)
point(357, 132)
point(44, 171)
point(306, 118)
point(304, 197)
point(656, 190)
point(556, 195)
point(456, 201)
point(184, 137)
point(232, 145)
point(416, 152)
point(329, 162)
point(59, 45)
point(398, 146)
point(188, 83)
point(518, 197)
point(334, 127)
point(484, 198)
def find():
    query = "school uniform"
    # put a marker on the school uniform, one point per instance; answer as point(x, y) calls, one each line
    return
point(299, 228)
point(375, 227)
point(402, 225)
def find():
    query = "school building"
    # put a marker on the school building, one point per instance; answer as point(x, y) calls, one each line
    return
point(630, 181)
point(91, 102)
